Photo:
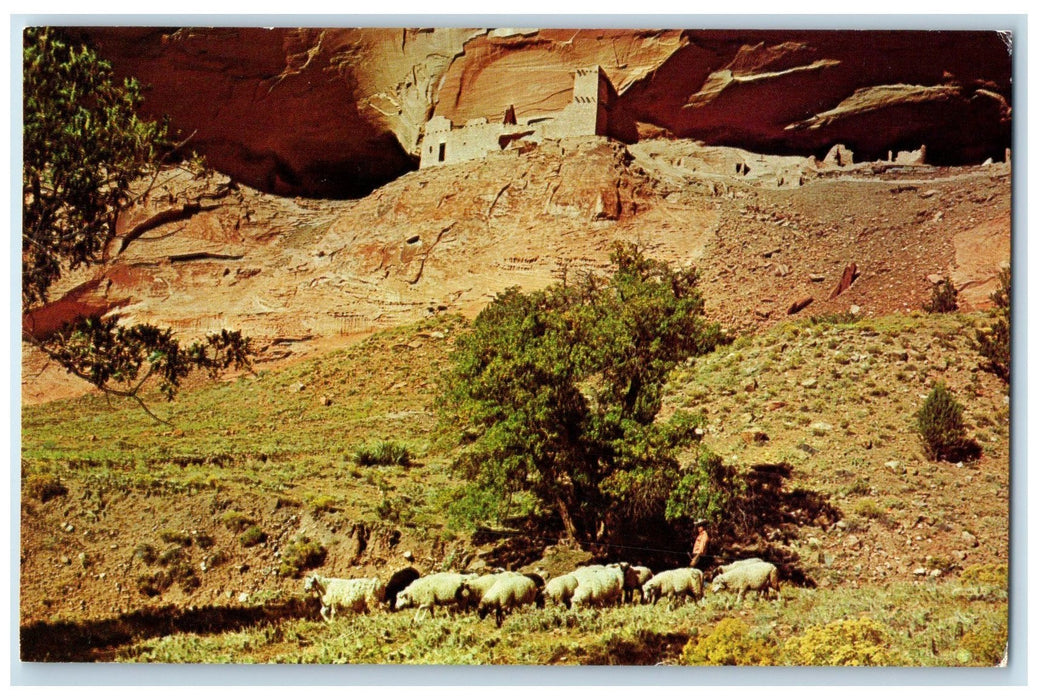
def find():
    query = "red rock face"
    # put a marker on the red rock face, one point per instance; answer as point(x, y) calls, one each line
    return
point(337, 112)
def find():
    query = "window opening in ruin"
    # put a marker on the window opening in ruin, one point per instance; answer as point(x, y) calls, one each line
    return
point(443, 152)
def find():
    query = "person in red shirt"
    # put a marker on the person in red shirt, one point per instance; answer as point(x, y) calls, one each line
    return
point(702, 539)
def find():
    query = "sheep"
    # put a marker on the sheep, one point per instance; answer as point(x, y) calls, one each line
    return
point(561, 588)
point(725, 568)
point(509, 591)
point(357, 594)
point(674, 584)
point(759, 576)
point(475, 588)
point(398, 582)
point(427, 592)
point(634, 578)
point(597, 585)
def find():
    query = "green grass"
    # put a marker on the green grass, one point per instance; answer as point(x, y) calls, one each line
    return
point(928, 625)
point(261, 434)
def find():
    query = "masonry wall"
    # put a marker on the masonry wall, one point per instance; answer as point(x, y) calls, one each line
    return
point(586, 115)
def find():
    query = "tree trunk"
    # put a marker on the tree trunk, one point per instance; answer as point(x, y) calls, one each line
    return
point(567, 519)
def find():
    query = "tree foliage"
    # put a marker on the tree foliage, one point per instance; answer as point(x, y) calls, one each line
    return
point(993, 342)
point(942, 428)
point(83, 146)
point(562, 389)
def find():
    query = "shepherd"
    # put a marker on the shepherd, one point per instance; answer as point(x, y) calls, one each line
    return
point(702, 539)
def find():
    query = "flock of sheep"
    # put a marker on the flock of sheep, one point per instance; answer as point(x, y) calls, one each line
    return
point(499, 593)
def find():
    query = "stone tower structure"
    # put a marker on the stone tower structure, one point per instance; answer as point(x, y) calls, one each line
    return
point(587, 114)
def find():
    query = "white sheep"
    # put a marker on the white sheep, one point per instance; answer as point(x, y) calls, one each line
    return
point(425, 593)
point(674, 584)
point(561, 588)
point(475, 588)
point(760, 576)
point(597, 585)
point(356, 594)
point(508, 592)
point(725, 568)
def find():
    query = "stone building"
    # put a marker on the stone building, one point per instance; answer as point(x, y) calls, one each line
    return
point(587, 114)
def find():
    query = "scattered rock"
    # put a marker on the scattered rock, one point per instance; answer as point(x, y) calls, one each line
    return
point(299, 387)
point(850, 273)
point(970, 539)
point(243, 598)
point(325, 401)
point(799, 305)
point(809, 383)
point(754, 436)
point(821, 428)
point(815, 277)
point(921, 571)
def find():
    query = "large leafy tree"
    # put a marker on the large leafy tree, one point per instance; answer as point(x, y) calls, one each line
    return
point(83, 147)
point(561, 389)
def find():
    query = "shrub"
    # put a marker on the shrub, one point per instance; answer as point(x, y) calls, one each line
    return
point(300, 554)
point(154, 583)
point(252, 537)
point(235, 521)
point(382, 453)
point(44, 487)
point(985, 644)
point(172, 555)
point(943, 298)
point(174, 537)
point(322, 504)
point(145, 552)
point(861, 642)
point(986, 575)
point(867, 508)
point(993, 342)
point(729, 644)
point(214, 559)
point(940, 424)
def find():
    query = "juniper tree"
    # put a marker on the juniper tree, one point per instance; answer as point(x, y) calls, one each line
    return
point(83, 146)
point(561, 390)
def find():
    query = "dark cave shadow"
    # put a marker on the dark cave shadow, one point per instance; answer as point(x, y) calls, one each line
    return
point(98, 640)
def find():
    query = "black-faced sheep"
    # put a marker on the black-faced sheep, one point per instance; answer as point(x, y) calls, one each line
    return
point(356, 594)
point(425, 593)
point(634, 578)
point(508, 592)
point(398, 582)
point(760, 576)
point(597, 586)
point(675, 584)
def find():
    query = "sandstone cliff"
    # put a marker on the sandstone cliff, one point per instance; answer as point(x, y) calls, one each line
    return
point(337, 112)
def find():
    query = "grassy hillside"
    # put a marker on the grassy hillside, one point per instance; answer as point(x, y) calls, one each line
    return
point(113, 503)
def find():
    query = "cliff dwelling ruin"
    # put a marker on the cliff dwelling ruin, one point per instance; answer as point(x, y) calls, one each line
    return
point(587, 114)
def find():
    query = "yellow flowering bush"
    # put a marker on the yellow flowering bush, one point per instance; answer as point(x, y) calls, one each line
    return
point(729, 644)
point(862, 642)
